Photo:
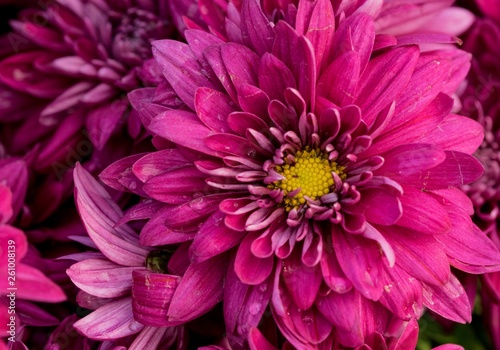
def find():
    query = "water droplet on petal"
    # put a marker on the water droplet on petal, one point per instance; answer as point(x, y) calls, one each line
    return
point(251, 153)
point(307, 320)
point(263, 287)
point(254, 308)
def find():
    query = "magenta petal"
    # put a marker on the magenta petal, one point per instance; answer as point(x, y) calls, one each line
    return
point(156, 163)
point(15, 175)
point(100, 326)
point(448, 347)
point(421, 256)
point(456, 133)
point(103, 121)
point(234, 145)
point(32, 284)
point(181, 69)
point(409, 338)
point(241, 64)
point(213, 238)
point(410, 160)
point(213, 108)
point(5, 204)
point(402, 294)
point(249, 268)
point(183, 128)
point(176, 186)
point(244, 305)
point(151, 296)
point(240, 122)
point(19, 72)
point(101, 277)
point(99, 214)
point(490, 8)
point(469, 246)
point(214, 57)
point(333, 275)
point(256, 30)
point(274, 77)
point(417, 214)
point(432, 74)
point(142, 102)
point(156, 232)
point(302, 282)
point(378, 206)
point(256, 341)
point(119, 175)
point(450, 300)
point(425, 122)
point(360, 260)
point(384, 78)
point(298, 55)
point(320, 30)
point(356, 33)
point(456, 170)
point(345, 312)
point(200, 290)
point(311, 324)
point(339, 81)
point(253, 100)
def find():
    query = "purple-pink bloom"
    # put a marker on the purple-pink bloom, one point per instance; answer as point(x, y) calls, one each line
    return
point(324, 165)
point(20, 270)
point(124, 279)
point(71, 67)
point(480, 100)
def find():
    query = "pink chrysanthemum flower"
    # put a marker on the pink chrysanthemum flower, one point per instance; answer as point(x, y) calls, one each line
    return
point(323, 161)
point(125, 283)
point(73, 64)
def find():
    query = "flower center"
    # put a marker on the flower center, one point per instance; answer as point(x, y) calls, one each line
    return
point(309, 176)
point(157, 260)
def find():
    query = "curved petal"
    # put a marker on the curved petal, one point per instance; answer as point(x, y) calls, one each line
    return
point(99, 326)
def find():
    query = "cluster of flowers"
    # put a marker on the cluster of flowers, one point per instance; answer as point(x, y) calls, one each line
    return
point(249, 174)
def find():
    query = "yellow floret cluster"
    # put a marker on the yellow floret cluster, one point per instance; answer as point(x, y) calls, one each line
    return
point(312, 173)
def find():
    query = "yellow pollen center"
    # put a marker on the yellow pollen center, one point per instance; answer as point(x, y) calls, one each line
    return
point(312, 173)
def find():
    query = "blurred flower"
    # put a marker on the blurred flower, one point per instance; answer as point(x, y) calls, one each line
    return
point(71, 67)
point(481, 101)
point(21, 281)
point(125, 280)
point(322, 162)
point(423, 21)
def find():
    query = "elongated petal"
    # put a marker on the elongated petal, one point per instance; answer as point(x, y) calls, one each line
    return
point(199, 291)
point(100, 326)
point(302, 282)
point(469, 246)
point(360, 260)
point(100, 214)
point(417, 216)
point(101, 278)
point(183, 128)
point(256, 29)
point(421, 256)
point(181, 69)
point(249, 268)
point(449, 300)
point(383, 79)
point(213, 238)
